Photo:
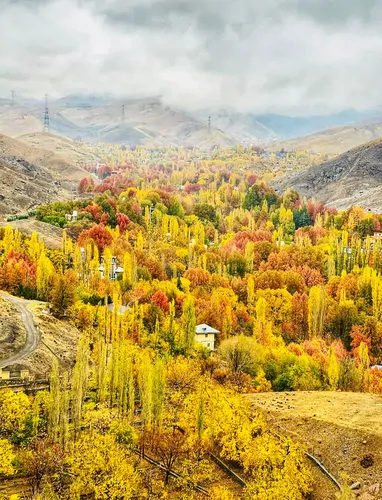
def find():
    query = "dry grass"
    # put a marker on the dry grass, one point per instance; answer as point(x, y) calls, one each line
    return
point(350, 410)
point(340, 429)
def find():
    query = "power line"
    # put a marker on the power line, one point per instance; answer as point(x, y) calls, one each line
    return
point(46, 115)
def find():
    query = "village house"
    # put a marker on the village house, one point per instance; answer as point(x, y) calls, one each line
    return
point(115, 269)
point(205, 335)
point(14, 372)
point(121, 310)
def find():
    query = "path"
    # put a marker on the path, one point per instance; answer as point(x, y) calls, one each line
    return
point(33, 336)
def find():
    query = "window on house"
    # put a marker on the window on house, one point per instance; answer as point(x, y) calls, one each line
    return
point(208, 345)
point(206, 335)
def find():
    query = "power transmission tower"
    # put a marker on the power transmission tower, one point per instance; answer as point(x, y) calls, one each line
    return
point(46, 116)
point(13, 97)
point(209, 122)
point(123, 114)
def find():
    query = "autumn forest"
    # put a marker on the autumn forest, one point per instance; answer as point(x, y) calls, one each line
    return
point(154, 243)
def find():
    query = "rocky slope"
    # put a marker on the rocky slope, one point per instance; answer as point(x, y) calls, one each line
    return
point(31, 176)
point(353, 178)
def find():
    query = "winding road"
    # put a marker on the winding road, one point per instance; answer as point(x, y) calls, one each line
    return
point(33, 336)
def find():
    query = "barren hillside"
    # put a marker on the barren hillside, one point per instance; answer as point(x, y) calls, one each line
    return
point(66, 148)
point(353, 178)
point(335, 141)
point(342, 430)
point(31, 176)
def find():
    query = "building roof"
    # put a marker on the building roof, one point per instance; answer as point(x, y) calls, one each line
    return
point(206, 329)
point(122, 309)
point(14, 368)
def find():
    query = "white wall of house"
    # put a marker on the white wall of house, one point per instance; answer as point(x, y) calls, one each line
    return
point(207, 339)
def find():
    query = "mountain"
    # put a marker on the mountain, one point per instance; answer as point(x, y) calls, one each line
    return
point(353, 178)
point(97, 119)
point(31, 176)
point(335, 140)
point(289, 127)
point(245, 128)
point(71, 151)
point(149, 121)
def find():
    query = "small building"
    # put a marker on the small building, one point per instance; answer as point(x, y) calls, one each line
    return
point(377, 235)
point(122, 309)
point(115, 269)
point(14, 372)
point(205, 335)
point(72, 217)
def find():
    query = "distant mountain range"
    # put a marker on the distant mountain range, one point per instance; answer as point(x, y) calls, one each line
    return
point(149, 121)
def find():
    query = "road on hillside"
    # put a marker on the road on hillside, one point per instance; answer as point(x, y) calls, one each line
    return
point(33, 336)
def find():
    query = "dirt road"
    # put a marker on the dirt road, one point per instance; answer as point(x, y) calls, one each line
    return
point(33, 336)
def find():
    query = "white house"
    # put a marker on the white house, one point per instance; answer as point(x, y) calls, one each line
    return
point(115, 269)
point(206, 335)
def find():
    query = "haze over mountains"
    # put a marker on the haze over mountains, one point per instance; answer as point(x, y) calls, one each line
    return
point(150, 121)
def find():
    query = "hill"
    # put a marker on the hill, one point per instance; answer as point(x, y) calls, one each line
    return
point(243, 127)
point(336, 140)
point(144, 122)
point(66, 148)
point(31, 176)
point(343, 430)
point(353, 178)
point(19, 119)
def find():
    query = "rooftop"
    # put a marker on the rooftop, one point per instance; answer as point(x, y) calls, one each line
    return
point(205, 329)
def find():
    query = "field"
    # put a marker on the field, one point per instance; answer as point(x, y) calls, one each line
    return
point(343, 430)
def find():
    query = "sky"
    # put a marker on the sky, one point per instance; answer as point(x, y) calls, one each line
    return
point(298, 57)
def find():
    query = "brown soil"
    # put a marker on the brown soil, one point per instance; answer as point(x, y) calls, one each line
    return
point(342, 430)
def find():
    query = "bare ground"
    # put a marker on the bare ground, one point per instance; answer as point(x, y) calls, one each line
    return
point(343, 430)
point(57, 339)
point(12, 331)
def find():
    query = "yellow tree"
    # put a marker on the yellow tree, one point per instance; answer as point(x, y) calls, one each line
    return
point(316, 310)
point(101, 468)
point(262, 326)
point(7, 457)
point(333, 369)
point(45, 276)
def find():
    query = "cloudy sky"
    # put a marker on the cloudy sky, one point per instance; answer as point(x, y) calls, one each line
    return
point(282, 56)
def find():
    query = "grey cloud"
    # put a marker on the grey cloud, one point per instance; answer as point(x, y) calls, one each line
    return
point(287, 56)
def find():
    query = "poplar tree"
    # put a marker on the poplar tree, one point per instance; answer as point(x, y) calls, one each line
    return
point(158, 387)
point(145, 383)
point(188, 324)
point(64, 411)
point(333, 370)
point(102, 371)
point(316, 311)
point(262, 326)
point(79, 384)
point(54, 402)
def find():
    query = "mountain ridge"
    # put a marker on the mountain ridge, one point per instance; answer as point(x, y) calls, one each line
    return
point(353, 178)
